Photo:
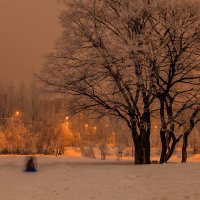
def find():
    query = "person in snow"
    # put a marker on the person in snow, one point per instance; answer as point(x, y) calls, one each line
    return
point(31, 164)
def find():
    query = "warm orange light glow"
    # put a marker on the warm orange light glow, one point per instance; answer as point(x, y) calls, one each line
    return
point(17, 113)
point(66, 118)
point(86, 125)
point(95, 128)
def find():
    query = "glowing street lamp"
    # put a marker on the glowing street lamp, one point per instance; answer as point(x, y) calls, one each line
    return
point(67, 120)
point(17, 113)
point(15, 116)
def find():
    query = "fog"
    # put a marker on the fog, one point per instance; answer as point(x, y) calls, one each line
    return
point(28, 31)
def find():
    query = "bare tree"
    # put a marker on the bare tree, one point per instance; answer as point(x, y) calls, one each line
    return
point(121, 58)
point(97, 62)
point(176, 37)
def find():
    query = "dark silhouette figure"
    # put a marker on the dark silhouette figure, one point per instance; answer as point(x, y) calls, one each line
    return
point(31, 164)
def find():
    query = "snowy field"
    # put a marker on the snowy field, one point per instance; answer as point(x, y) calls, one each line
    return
point(64, 178)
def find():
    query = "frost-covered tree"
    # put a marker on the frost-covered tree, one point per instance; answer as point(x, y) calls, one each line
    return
point(99, 64)
point(175, 38)
point(124, 58)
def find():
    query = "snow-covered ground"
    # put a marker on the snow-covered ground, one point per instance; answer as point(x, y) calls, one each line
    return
point(64, 178)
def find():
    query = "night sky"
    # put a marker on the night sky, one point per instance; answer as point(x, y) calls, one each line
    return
point(28, 30)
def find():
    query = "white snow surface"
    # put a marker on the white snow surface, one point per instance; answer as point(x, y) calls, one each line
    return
point(65, 178)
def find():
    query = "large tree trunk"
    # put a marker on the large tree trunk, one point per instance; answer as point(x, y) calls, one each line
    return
point(138, 152)
point(164, 146)
point(185, 138)
point(184, 148)
point(170, 151)
point(142, 140)
point(167, 149)
point(142, 148)
point(145, 130)
point(145, 145)
point(188, 132)
point(163, 131)
point(138, 155)
point(148, 150)
point(172, 147)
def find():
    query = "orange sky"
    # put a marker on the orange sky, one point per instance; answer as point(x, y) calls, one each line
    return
point(28, 30)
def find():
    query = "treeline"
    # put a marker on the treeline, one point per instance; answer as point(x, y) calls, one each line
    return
point(28, 120)
point(28, 100)
point(18, 139)
point(35, 122)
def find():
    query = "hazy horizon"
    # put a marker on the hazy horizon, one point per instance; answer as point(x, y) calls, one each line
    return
point(29, 29)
